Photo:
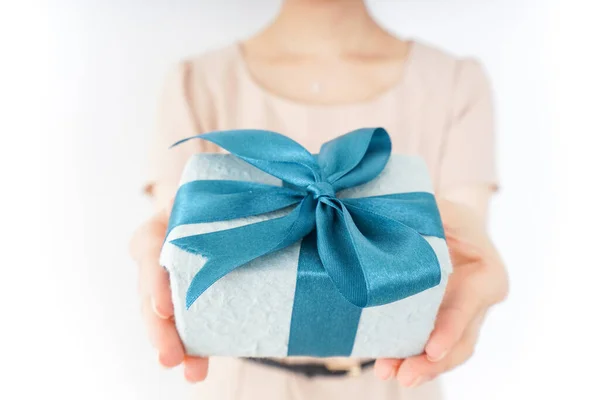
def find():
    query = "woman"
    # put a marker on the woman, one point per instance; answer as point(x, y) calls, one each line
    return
point(323, 68)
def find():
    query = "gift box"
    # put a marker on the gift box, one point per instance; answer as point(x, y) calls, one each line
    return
point(276, 252)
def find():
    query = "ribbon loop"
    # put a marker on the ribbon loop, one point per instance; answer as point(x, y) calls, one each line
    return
point(268, 151)
point(355, 158)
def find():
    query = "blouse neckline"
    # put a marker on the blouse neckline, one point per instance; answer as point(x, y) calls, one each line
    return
point(377, 99)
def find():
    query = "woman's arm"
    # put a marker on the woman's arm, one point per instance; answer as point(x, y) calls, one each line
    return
point(467, 180)
point(176, 120)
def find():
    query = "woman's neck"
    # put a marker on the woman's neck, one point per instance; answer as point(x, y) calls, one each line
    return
point(321, 27)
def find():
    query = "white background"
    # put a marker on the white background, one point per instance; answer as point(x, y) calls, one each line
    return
point(79, 83)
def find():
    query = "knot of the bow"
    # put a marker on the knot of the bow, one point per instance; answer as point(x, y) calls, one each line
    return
point(321, 189)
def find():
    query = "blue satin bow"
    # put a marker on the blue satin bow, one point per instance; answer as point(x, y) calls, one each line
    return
point(355, 253)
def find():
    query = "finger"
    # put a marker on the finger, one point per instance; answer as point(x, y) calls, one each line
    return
point(162, 302)
point(385, 368)
point(155, 284)
point(195, 368)
point(449, 328)
point(463, 250)
point(417, 370)
point(161, 286)
point(163, 336)
point(153, 279)
point(459, 308)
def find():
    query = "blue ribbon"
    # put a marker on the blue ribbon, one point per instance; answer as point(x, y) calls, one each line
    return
point(355, 253)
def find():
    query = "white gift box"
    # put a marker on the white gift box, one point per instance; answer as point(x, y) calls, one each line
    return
point(247, 313)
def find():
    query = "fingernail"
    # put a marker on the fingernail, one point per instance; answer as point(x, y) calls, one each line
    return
point(436, 358)
point(156, 311)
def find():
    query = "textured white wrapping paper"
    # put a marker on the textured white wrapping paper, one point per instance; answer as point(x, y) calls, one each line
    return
point(247, 313)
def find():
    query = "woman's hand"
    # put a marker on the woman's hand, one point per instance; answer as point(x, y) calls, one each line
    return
point(478, 281)
point(155, 294)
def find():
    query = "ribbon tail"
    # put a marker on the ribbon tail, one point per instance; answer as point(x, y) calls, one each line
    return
point(210, 201)
point(229, 249)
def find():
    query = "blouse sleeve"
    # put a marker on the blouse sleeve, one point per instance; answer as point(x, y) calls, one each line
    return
point(175, 120)
point(468, 154)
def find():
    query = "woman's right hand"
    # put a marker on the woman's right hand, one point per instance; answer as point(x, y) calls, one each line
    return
point(155, 294)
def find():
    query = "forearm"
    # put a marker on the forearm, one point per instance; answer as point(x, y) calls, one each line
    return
point(476, 198)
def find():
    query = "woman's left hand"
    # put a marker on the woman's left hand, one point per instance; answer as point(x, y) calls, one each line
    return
point(478, 281)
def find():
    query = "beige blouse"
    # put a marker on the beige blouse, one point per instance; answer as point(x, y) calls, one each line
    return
point(441, 109)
